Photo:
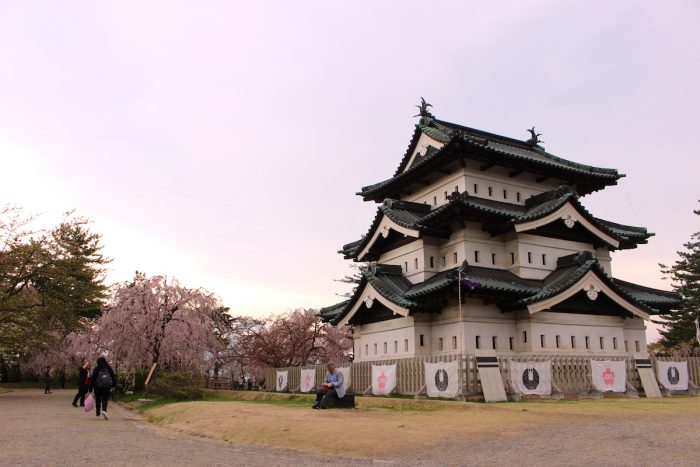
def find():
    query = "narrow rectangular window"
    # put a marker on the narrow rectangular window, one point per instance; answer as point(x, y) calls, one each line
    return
point(476, 256)
point(588, 342)
point(435, 200)
point(525, 337)
point(529, 257)
point(505, 194)
point(490, 191)
point(386, 350)
point(405, 265)
point(627, 346)
point(512, 258)
point(421, 341)
point(405, 345)
point(396, 346)
point(432, 262)
point(375, 349)
point(478, 342)
point(517, 196)
point(456, 189)
point(614, 343)
point(415, 263)
point(557, 341)
point(476, 188)
point(544, 259)
point(366, 349)
point(443, 261)
point(602, 343)
point(445, 195)
point(573, 342)
point(542, 340)
point(454, 257)
point(636, 346)
point(493, 342)
point(510, 343)
point(454, 342)
point(493, 258)
point(440, 343)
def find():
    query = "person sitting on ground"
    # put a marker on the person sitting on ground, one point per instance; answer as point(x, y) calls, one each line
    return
point(331, 389)
point(102, 381)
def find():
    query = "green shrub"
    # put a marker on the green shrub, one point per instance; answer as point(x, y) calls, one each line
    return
point(179, 386)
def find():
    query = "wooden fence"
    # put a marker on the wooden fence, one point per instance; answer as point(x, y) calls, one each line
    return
point(571, 374)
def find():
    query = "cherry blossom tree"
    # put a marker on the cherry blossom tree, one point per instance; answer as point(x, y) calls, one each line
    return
point(292, 339)
point(157, 320)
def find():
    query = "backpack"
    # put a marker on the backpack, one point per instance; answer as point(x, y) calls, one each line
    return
point(104, 379)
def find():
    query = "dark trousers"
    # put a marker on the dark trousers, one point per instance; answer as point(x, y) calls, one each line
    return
point(101, 399)
point(323, 398)
point(82, 390)
point(47, 389)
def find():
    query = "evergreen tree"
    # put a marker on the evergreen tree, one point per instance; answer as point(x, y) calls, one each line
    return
point(679, 325)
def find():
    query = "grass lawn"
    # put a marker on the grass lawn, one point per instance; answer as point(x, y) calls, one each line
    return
point(382, 426)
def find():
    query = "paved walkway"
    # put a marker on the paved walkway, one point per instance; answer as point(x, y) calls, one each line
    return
point(39, 429)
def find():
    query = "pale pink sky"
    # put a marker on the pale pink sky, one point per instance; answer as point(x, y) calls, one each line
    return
point(222, 142)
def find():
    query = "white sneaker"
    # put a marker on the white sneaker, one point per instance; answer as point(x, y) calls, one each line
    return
point(104, 414)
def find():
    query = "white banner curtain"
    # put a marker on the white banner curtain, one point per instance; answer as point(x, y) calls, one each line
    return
point(673, 375)
point(532, 377)
point(281, 384)
point(442, 379)
point(346, 377)
point(383, 379)
point(609, 375)
point(308, 379)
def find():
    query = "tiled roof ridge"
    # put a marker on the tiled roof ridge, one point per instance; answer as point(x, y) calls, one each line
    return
point(409, 150)
point(558, 192)
point(632, 285)
point(407, 205)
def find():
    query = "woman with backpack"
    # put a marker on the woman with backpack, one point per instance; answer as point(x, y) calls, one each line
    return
point(102, 381)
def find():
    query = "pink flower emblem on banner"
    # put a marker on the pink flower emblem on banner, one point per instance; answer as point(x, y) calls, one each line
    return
point(608, 377)
point(382, 380)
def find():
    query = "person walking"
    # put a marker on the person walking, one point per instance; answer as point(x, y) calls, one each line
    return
point(48, 377)
point(102, 381)
point(83, 383)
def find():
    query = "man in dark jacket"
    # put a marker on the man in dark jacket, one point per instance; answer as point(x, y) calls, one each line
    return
point(103, 380)
point(83, 383)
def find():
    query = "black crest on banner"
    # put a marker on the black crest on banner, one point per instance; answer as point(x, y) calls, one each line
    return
point(279, 381)
point(531, 378)
point(673, 375)
point(441, 380)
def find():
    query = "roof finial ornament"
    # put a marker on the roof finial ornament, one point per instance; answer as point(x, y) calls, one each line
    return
point(423, 107)
point(534, 139)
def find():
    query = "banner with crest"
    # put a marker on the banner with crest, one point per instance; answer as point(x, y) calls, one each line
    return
point(308, 380)
point(383, 379)
point(532, 377)
point(609, 375)
point(442, 379)
point(673, 375)
point(281, 384)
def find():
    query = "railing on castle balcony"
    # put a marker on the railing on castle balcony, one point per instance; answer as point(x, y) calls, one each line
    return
point(571, 374)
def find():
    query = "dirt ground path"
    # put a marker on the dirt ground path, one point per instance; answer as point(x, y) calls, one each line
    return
point(38, 429)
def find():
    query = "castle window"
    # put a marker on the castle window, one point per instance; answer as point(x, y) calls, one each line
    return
point(454, 257)
point(445, 195)
point(421, 340)
point(510, 343)
point(440, 343)
point(405, 345)
point(432, 262)
point(366, 350)
point(493, 258)
point(405, 265)
point(443, 262)
point(529, 257)
point(505, 194)
point(588, 342)
point(435, 200)
point(385, 349)
point(627, 346)
point(614, 343)
point(544, 259)
point(542, 340)
point(476, 188)
point(476, 256)
point(478, 342)
point(490, 191)
point(573, 342)
point(557, 341)
point(512, 258)
point(375, 349)
point(396, 346)
point(415, 263)
point(636, 346)
point(493, 342)
point(456, 188)
point(454, 342)
point(525, 337)
point(602, 343)
point(517, 196)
